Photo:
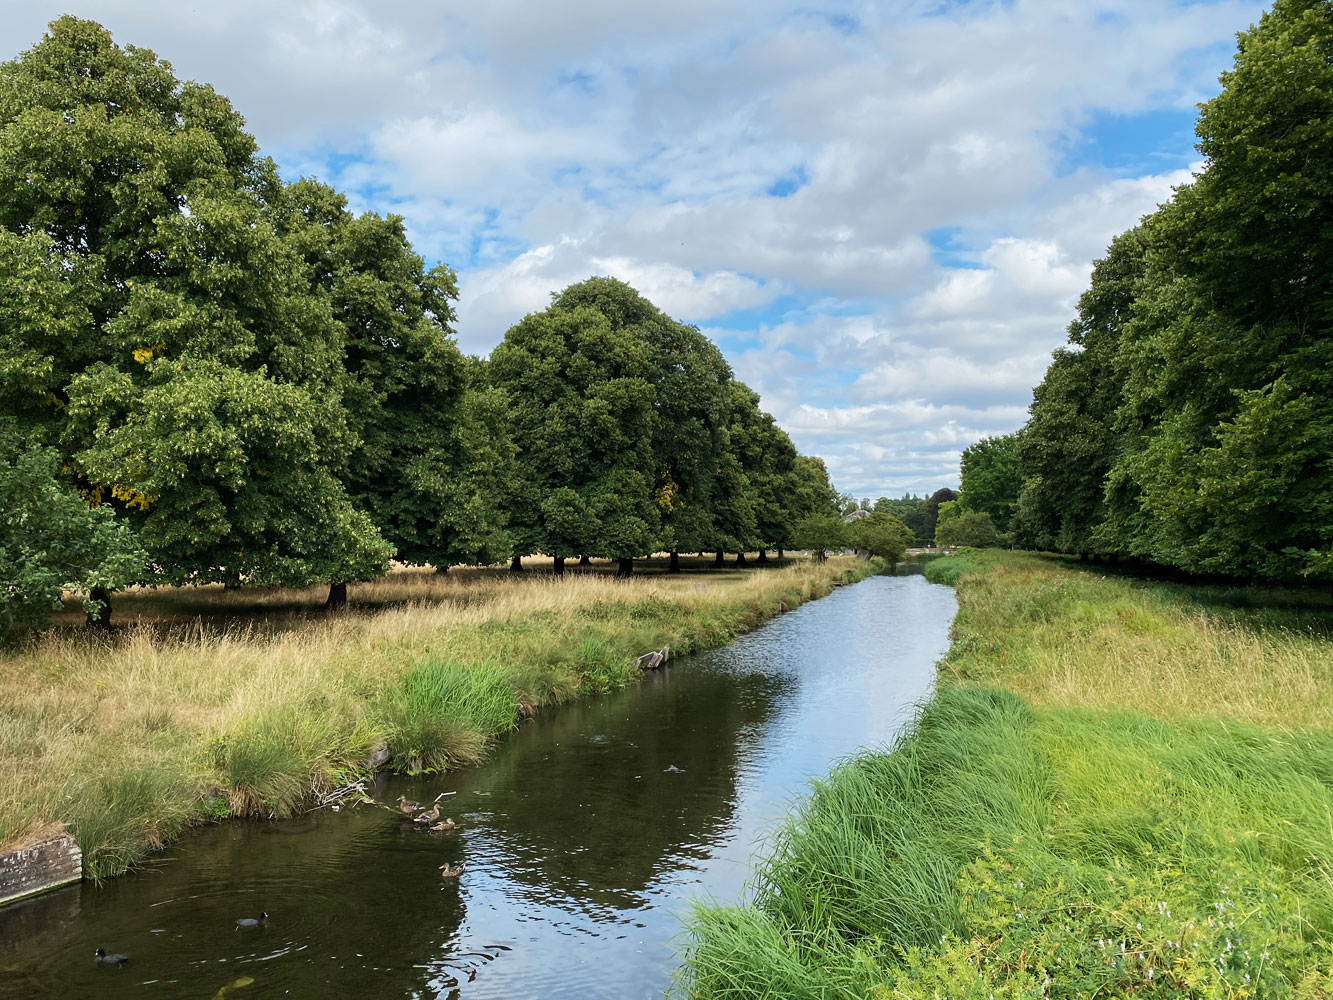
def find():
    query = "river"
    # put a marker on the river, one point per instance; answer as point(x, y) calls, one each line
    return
point(583, 842)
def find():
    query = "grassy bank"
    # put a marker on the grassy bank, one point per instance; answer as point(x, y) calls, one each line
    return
point(1122, 788)
point(209, 703)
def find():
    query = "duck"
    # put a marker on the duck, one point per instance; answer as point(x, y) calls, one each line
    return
point(450, 871)
point(104, 959)
point(443, 826)
point(252, 921)
point(406, 806)
point(430, 815)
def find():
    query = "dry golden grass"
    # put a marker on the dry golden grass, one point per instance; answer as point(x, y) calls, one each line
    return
point(125, 727)
point(1059, 634)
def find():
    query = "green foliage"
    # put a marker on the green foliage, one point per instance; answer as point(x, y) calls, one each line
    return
point(882, 535)
point(947, 570)
point(991, 480)
point(51, 540)
point(1191, 427)
point(1003, 851)
point(821, 534)
point(432, 446)
point(444, 715)
point(160, 329)
point(632, 435)
point(264, 387)
point(933, 502)
point(911, 510)
point(969, 527)
point(581, 392)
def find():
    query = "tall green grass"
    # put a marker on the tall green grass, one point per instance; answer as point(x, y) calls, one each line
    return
point(274, 761)
point(947, 570)
point(1002, 851)
point(444, 715)
point(1148, 813)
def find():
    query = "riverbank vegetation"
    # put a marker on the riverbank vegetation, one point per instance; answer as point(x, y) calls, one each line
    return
point(1124, 784)
point(221, 702)
point(1122, 788)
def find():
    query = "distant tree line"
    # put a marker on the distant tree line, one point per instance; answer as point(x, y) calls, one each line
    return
point(208, 374)
point(1190, 421)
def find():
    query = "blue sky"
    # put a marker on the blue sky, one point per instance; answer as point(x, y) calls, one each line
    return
point(882, 212)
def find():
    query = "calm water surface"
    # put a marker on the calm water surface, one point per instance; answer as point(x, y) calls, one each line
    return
point(583, 841)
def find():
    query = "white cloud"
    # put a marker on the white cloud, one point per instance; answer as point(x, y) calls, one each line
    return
point(729, 154)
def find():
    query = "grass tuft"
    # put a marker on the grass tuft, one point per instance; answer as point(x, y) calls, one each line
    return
point(445, 715)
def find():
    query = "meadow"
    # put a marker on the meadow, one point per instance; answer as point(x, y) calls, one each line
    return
point(207, 702)
point(1123, 787)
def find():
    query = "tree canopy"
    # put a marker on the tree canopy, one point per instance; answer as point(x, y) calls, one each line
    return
point(161, 332)
point(1189, 423)
point(210, 374)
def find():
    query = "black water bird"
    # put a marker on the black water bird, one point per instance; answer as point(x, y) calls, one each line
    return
point(252, 921)
point(104, 959)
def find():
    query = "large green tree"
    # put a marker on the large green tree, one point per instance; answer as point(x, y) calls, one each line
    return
point(427, 466)
point(991, 480)
point(692, 406)
point(1210, 344)
point(881, 535)
point(159, 329)
point(911, 510)
point(581, 396)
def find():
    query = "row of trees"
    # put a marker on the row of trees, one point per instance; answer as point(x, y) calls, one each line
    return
point(208, 374)
point(1190, 421)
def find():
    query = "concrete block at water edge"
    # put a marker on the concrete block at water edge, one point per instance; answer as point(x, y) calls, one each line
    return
point(47, 864)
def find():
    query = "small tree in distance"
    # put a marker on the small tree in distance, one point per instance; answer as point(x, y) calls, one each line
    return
point(971, 527)
point(881, 535)
point(821, 533)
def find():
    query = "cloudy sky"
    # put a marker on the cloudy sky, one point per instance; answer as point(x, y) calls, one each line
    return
point(882, 212)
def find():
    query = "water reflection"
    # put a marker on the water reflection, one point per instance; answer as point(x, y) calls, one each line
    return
point(584, 840)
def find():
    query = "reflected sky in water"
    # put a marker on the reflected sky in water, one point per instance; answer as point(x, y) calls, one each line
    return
point(583, 841)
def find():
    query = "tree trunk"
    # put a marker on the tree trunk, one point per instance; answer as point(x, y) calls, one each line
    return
point(718, 560)
point(337, 597)
point(740, 558)
point(675, 562)
point(442, 570)
point(516, 564)
point(584, 561)
point(101, 618)
point(779, 553)
point(558, 565)
point(625, 568)
point(763, 556)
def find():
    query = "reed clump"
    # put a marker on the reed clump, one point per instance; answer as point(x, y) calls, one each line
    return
point(209, 702)
point(444, 715)
point(1051, 827)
